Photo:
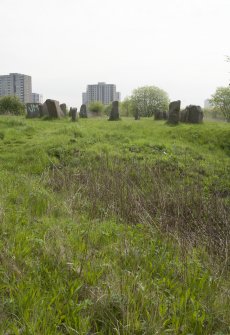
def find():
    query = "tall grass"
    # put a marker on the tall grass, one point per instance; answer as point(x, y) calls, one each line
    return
point(110, 229)
point(155, 194)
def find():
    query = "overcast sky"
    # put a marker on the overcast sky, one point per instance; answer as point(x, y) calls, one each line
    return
point(177, 45)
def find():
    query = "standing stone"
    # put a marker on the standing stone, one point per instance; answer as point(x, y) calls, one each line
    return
point(114, 115)
point(33, 110)
point(54, 110)
point(165, 116)
point(137, 114)
point(40, 110)
point(183, 115)
point(174, 112)
point(43, 109)
point(192, 114)
point(73, 114)
point(159, 115)
point(63, 108)
point(83, 111)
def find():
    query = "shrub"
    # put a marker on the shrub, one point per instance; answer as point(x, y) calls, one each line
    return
point(96, 107)
point(11, 105)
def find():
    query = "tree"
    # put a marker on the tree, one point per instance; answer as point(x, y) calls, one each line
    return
point(126, 107)
point(149, 99)
point(11, 105)
point(221, 101)
point(96, 107)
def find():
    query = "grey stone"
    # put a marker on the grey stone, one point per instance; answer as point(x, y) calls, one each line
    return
point(33, 110)
point(159, 115)
point(63, 108)
point(83, 111)
point(174, 112)
point(192, 114)
point(114, 115)
point(137, 114)
point(43, 110)
point(183, 115)
point(54, 110)
point(73, 113)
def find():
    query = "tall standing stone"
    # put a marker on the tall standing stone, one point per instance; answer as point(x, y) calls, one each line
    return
point(164, 115)
point(63, 108)
point(183, 115)
point(114, 115)
point(73, 114)
point(159, 115)
point(174, 112)
point(83, 111)
point(43, 110)
point(54, 110)
point(137, 114)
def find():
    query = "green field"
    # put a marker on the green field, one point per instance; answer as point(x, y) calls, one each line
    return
point(114, 227)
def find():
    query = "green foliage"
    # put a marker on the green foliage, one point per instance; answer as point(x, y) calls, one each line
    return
point(108, 109)
point(126, 107)
point(221, 101)
point(96, 107)
point(11, 105)
point(2, 135)
point(149, 99)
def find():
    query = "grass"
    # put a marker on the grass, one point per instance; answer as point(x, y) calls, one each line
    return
point(114, 227)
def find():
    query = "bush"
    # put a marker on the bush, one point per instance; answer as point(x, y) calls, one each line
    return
point(11, 105)
point(96, 107)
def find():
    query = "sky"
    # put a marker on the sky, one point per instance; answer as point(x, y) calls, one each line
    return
point(179, 46)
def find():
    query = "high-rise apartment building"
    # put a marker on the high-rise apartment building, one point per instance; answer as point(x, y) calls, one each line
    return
point(16, 84)
point(37, 98)
point(105, 93)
